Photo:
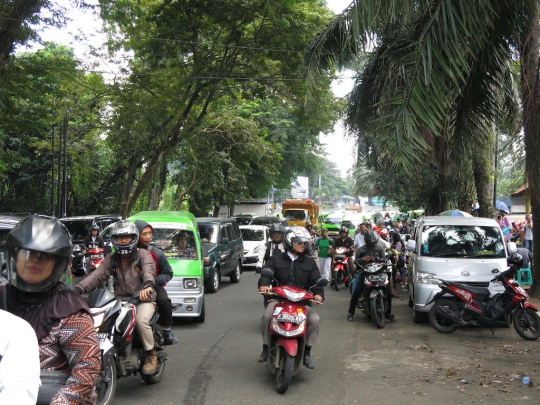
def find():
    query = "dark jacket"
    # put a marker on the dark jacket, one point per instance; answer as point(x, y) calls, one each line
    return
point(303, 272)
point(379, 251)
point(164, 271)
point(347, 242)
point(88, 242)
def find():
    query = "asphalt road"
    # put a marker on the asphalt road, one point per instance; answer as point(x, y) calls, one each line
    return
point(355, 363)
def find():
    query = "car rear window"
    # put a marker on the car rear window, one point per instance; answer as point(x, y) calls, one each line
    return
point(175, 243)
point(462, 241)
point(208, 233)
point(252, 235)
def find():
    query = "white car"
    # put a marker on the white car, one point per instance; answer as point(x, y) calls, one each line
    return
point(255, 238)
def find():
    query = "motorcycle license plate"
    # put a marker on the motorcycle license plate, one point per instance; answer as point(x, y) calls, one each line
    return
point(289, 318)
point(95, 257)
point(102, 337)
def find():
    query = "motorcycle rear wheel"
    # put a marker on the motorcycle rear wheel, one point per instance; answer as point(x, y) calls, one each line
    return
point(377, 311)
point(285, 371)
point(338, 280)
point(439, 324)
point(105, 393)
point(527, 323)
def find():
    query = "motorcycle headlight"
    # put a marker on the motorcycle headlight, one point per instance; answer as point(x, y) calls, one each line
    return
point(190, 283)
point(497, 284)
point(427, 278)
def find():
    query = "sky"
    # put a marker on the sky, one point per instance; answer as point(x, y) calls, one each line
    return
point(83, 31)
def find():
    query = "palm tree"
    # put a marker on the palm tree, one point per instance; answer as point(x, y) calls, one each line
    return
point(441, 68)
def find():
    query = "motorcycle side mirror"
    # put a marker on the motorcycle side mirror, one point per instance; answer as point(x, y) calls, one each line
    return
point(322, 282)
point(267, 273)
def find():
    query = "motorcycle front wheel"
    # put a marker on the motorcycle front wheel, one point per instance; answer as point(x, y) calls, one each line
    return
point(377, 311)
point(107, 388)
point(338, 280)
point(285, 371)
point(527, 323)
point(439, 323)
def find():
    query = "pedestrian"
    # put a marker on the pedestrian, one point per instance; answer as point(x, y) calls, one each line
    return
point(324, 243)
point(527, 233)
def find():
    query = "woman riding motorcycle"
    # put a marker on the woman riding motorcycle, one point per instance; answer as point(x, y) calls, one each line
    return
point(37, 255)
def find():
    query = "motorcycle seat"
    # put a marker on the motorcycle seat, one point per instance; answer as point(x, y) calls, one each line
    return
point(474, 290)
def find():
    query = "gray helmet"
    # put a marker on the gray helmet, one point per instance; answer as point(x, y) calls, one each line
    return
point(371, 238)
point(124, 228)
point(515, 260)
point(295, 234)
point(37, 241)
point(94, 227)
point(277, 227)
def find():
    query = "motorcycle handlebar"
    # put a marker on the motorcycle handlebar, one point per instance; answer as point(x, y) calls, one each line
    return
point(273, 294)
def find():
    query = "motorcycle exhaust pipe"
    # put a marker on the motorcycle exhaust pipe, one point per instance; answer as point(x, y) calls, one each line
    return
point(445, 314)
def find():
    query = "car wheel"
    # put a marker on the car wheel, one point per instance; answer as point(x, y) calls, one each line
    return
point(235, 276)
point(212, 285)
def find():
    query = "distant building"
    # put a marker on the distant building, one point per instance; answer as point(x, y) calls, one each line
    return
point(300, 187)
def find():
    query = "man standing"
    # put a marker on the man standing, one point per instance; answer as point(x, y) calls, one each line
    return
point(527, 230)
point(164, 274)
point(359, 237)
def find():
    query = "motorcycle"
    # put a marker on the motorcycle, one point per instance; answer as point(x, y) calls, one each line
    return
point(473, 306)
point(78, 264)
point(121, 349)
point(97, 255)
point(288, 331)
point(374, 299)
point(340, 265)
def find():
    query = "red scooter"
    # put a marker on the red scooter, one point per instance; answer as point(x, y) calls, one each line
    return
point(473, 306)
point(97, 255)
point(288, 331)
point(341, 268)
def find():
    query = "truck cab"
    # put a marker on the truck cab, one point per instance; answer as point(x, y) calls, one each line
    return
point(298, 212)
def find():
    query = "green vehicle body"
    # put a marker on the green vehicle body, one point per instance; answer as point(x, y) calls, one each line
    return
point(351, 221)
point(186, 288)
point(333, 223)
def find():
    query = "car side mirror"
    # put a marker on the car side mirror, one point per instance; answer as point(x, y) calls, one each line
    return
point(512, 248)
point(224, 241)
point(411, 245)
point(267, 273)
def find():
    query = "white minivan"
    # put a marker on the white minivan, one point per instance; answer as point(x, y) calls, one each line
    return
point(461, 249)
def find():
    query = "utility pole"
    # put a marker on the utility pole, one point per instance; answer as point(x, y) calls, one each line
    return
point(52, 168)
point(64, 185)
point(319, 189)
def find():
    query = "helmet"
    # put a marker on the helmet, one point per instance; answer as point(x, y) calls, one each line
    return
point(123, 228)
point(277, 227)
point(42, 240)
point(344, 229)
point(308, 223)
point(515, 260)
point(384, 233)
point(295, 234)
point(94, 227)
point(371, 238)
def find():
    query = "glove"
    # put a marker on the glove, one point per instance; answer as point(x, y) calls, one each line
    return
point(258, 270)
point(78, 290)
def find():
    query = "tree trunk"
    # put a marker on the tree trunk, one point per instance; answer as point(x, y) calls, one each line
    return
point(530, 87)
point(127, 187)
point(483, 157)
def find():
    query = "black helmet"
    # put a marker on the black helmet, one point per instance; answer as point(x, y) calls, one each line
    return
point(295, 234)
point(371, 238)
point(124, 228)
point(94, 227)
point(277, 227)
point(38, 239)
point(344, 229)
point(515, 260)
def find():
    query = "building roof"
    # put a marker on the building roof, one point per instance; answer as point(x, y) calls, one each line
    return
point(521, 191)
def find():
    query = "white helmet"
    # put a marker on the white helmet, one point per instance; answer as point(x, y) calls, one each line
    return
point(296, 234)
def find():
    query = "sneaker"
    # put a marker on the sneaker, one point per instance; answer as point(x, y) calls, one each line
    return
point(350, 317)
point(150, 362)
point(264, 354)
point(391, 319)
point(169, 338)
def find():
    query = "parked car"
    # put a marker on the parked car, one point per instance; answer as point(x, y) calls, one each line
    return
point(460, 249)
point(78, 226)
point(255, 238)
point(222, 249)
point(185, 289)
point(268, 221)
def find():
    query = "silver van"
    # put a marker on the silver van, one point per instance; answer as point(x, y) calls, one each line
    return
point(461, 249)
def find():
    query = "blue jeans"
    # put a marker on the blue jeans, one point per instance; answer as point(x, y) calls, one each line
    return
point(528, 244)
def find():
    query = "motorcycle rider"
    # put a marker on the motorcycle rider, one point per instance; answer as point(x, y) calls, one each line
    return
point(273, 247)
point(164, 274)
point(92, 241)
point(374, 250)
point(293, 268)
point(38, 250)
point(134, 272)
point(344, 240)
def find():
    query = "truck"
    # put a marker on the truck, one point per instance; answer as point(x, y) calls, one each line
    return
point(297, 212)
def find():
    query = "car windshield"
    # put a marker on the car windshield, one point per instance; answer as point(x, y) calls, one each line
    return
point(243, 220)
point(295, 214)
point(333, 220)
point(175, 243)
point(462, 241)
point(208, 233)
point(253, 235)
point(78, 229)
